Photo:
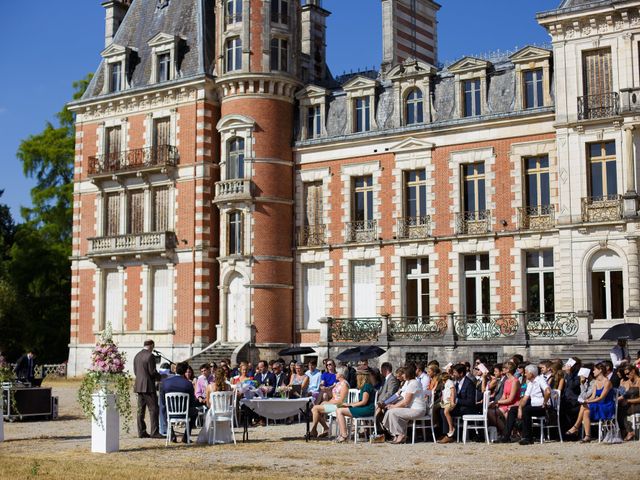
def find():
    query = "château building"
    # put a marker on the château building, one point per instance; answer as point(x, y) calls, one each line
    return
point(232, 195)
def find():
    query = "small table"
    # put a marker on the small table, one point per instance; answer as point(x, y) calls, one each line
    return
point(276, 409)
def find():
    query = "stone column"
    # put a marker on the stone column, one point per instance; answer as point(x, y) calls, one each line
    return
point(521, 337)
point(384, 330)
point(449, 337)
point(633, 287)
point(630, 195)
point(223, 327)
point(584, 326)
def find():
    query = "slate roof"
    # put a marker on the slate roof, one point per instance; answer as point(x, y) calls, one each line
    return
point(190, 20)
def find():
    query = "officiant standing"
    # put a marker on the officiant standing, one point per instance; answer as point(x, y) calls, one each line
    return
point(144, 368)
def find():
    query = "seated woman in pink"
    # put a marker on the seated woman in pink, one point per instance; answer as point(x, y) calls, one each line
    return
point(338, 396)
point(510, 398)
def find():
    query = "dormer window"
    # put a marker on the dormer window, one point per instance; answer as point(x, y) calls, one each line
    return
point(414, 107)
point(314, 121)
point(164, 67)
point(472, 98)
point(164, 48)
point(116, 58)
point(115, 77)
point(312, 111)
point(233, 54)
point(279, 54)
point(533, 77)
point(362, 114)
point(361, 98)
point(233, 12)
point(280, 11)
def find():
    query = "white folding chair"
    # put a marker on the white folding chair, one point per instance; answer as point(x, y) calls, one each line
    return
point(366, 423)
point(177, 405)
point(635, 423)
point(477, 421)
point(554, 418)
point(236, 404)
point(352, 397)
point(426, 420)
point(609, 424)
point(222, 410)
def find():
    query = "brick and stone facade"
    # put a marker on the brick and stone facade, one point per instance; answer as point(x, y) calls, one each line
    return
point(229, 191)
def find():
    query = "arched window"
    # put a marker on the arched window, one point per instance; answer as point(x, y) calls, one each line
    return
point(607, 286)
point(235, 159)
point(414, 107)
point(234, 233)
point(233, 54)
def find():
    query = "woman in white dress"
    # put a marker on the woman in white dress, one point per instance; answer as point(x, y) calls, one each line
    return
point(223, 431)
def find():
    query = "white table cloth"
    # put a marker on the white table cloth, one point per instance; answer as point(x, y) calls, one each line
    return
point(277, 408)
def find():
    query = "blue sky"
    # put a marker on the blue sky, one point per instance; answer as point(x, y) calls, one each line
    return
point(49, 44)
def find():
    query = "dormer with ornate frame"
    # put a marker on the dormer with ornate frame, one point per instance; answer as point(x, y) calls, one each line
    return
point(471, 86)
point(164, 69)
point(361, 98)
point(116, 67)
point(533, 73)
point(408, 78)
point(313, 111)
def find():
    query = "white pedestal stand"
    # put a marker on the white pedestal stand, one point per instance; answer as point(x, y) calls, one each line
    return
point(1, 417)
point(105, 434)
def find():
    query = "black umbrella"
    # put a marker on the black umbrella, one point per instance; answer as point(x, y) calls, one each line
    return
point(628, 331)
point(360, 353)
point(293, 351)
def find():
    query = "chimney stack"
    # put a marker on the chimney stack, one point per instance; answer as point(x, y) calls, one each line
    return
point(314, 40)
point(409, 29)
point(115, 10)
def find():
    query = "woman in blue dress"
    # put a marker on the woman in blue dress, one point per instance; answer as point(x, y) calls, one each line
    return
point(601, 405)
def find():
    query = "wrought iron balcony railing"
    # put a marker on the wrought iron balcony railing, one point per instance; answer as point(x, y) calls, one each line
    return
point(417, 328)
point(312, 236)
point(130, 160)
point(354, 329)
point(605, 208)
point(552, 325)
point(414, 227)
point(473, 223)
point(604, 105)
point(238, 189)
point(536, 218)
point(133, 243)
point(485, 327)
point(362, 231)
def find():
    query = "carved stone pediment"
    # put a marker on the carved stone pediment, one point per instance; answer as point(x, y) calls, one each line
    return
point(530, 53)
point(469, 64)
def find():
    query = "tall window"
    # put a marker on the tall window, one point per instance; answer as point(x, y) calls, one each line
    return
point(474, 187)
point(603, 172)
point(235, 233)
point(540, 291)
point(112, 298)
point(362, 111)
point(314, 295)
point(417, 287)
point(160, 218)
point(233, 54)
point(607, 286)
point(112, 215)
point(363, 198)
point(112, 147)
point(162, 300)
point(235, 159)
point(115, 77)
point(414, 107)
point(233, 12)
point(537, 181)
point(363, 289)
point(533, 91)
point(161, 131)
point(314, 121)
point(472, 98)
point(279, 54)
point(164, 67)
point(280, 11)
point(415, 193)
point(313, 204)
point(135, 217)
point(476, 284)
point(597, 72)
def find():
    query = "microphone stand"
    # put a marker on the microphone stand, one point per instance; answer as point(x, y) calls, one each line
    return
point(157, 353)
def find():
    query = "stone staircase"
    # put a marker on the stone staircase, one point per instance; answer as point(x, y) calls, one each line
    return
point(213, 353)
point(597, 351)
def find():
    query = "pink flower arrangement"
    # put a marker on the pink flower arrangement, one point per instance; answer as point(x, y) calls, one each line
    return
point(105, 357)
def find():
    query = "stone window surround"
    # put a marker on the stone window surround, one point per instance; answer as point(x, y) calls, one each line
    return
point(308, 176)
point(528, 59)
point(224, 245)
point(398, 275)
point(531, 243)
point(310, 258)
point(589, 44)
point(348, 172)
point(470, 69)
point(360, 87)
point(164, 43)
point(227, 268)
point(146, 291)
point(172, 114)
point(596, 136)
point(239, 30)
point(520, 151)
point(312, 96)
point(123, 123)
point(463, 157)
point(112, 55)
point(234, 126)
point(351, 255)
point(410, 75)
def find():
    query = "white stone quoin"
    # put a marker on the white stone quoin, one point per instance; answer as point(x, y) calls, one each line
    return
point(105, 433)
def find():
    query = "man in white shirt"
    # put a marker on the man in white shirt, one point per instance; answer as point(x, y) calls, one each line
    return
point(619, 353)
point(315, 376)
point(423, 376)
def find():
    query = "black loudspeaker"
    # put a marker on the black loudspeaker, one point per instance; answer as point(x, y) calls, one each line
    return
point(32, 401)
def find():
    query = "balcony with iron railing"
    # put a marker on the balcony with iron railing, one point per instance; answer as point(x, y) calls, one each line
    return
point(236, 190)
point(148, 158)
point(607, 208)
point(593, 107)
point(361, 231)
point(414, 227)
point(133, 244)
point(312, 236)
point(473, 223)
point(541, 217)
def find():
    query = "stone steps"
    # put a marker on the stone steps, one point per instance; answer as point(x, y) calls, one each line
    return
point(597, 351)
point(215, 354)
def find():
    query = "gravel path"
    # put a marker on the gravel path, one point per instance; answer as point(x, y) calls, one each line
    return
point(279, 452)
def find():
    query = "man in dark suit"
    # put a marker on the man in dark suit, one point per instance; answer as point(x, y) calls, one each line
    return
point(389, 387)
point(144, 368)
point(26, 366)
point(281, 378)
point(179, 384)
point(263, 376)
point(466, 403)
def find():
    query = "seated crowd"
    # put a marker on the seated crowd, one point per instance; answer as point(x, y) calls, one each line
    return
point(518, 391)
